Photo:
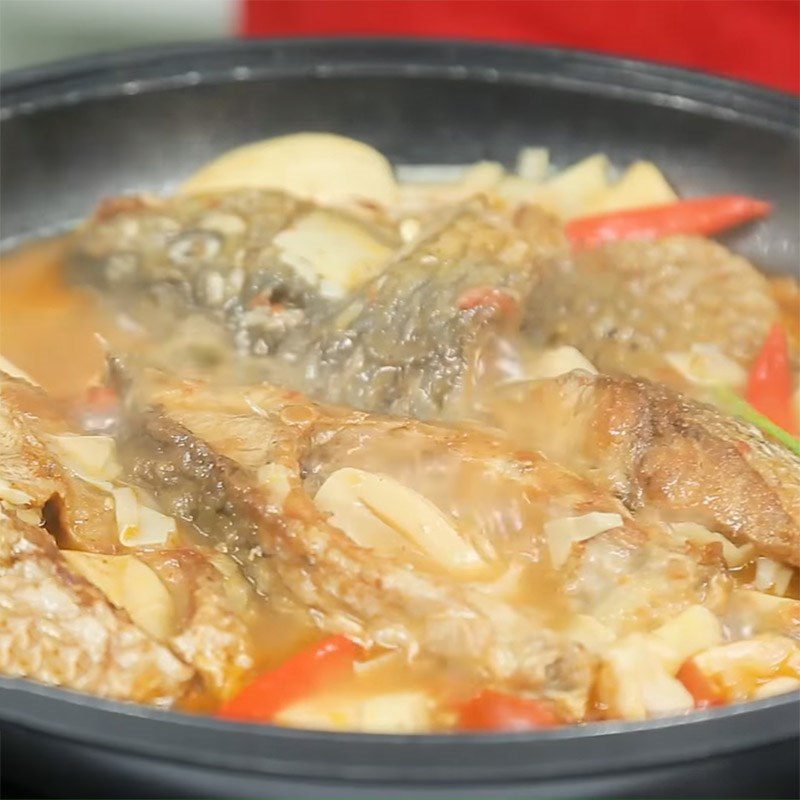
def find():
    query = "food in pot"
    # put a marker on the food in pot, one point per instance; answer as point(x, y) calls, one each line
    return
point(431, 449)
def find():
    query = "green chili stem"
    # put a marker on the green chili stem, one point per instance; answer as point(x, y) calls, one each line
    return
point(739, 407)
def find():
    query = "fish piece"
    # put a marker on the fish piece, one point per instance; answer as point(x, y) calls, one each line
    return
point(406, 341)
point(211, 632)
point(627, 305)
point(656, 449)
point(57, 628)
point(244, 463)
point(434, 321)
point(256, 262)
point(217, 444)
point(82, 512)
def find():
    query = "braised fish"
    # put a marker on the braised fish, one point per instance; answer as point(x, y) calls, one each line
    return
point(312, 498)
point(280, 274)
point(654, 448)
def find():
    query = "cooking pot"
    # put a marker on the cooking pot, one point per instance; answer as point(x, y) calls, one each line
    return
point(74, 132)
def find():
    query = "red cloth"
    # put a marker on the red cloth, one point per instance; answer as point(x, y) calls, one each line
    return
point(755, 40)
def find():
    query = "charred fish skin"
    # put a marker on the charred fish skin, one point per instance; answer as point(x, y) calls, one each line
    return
point(655, 448)
point(408, 342)
point(216, 254)
point(627, 305)
point(201, 453)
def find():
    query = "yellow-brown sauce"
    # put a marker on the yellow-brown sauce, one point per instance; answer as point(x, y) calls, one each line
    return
point(48, 328)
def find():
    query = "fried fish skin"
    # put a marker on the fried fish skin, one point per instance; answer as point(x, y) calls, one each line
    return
point(655, 448)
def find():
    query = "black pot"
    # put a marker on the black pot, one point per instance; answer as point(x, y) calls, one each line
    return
point(76, 131)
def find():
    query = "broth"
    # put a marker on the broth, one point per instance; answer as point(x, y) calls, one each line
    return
point(49, 328)
point(60, 334)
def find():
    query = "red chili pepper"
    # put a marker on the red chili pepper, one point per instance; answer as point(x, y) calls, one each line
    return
point(496, 711)
point(769, 385)
point(699, 685)
point(488, 297)
point(701, 215)
point(300, 676)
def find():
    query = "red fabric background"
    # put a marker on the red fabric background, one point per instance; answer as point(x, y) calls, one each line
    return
point(756, 40)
